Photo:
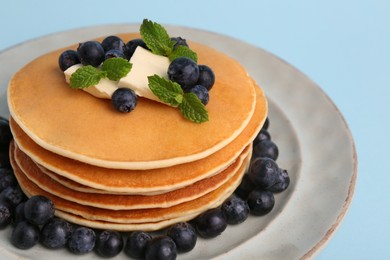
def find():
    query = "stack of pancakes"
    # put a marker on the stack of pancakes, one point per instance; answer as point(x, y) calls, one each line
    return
point(139, 171)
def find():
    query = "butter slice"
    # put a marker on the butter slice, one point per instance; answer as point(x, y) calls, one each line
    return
point(103, 89)
point(145, 64)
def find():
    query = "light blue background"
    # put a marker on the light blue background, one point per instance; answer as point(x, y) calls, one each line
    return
point(342, 45)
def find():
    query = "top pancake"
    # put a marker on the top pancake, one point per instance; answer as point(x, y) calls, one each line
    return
point(76, 125)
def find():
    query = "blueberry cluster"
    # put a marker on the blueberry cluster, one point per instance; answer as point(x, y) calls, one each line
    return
point(33, 219)
point(198, 79)
point(94, 53)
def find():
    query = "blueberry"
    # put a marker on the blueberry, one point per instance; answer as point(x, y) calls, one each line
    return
point(211, 223)
point(5, 133)
point(184, 236)
point(261, 202)
point(4, 158)
point(263, 172)
point(132, 45)
point(114, 54)
point(245, 187)
point(5, 214)
point(7, 178)
point(25, 235)
point(113, 43)
point(261, 136)
point(266, 148)
point(266, 124)
point(202, 93)
point(283, 181)
point(161, 247)
point(91, 53)
point(184, 71)
point(19, 213)
point(109, 243)
point(56, 233)
point(12, 195)
point(82, 240)
point(179, 42)
point(67, 59)
point(206, 77)
point(235, 209)
point(136, 244)
point(124, 100)
point(38, 210)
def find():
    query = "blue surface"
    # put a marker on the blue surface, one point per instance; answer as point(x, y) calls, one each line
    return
point(342, 45)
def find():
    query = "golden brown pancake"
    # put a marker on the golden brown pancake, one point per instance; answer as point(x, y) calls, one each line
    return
point(129, 201)
point(79, 126)
point(146, 219)
point(140, 181)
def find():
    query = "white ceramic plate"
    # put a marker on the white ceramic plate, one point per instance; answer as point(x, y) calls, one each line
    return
point(316, 147)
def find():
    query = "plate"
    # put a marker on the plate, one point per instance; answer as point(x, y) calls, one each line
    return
point(315, 144)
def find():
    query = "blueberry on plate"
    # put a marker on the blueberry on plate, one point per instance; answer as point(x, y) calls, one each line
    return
point(5, 214)
point(38, 210)
point(124, 100)
point(261, 136)
point(109, 243)
point(114, 53)
point(132, 45)
point(266, 148)
point(201, 92)
point(7, 178)
point(25, 235)
point(184, 236)
point(82, 240)
point(67, 59)
point(184, 71)
point(206, 77)
point(161, 247)
point(4, 159)
point(18, 215)
point(211, 223)
point(235, 209)
point(136, 244)
point(113, 43)
point(263, 172)
point(245, 187)
point(91, 53)
point(283, 181)
point(56, 233)
point(261, 202)
point(12, 195)
point(266, 124)
point(5, 133)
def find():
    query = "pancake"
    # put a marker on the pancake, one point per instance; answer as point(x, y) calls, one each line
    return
point(82, 188)
point(122, 202)
point(126, 220)
point(153, 181)
point(79, 126)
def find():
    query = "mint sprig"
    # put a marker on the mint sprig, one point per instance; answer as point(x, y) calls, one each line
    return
point(183, 51)
point(116, 68)
point(156, 38)
point(171, 93)
point(158, 41)
point(87, 76)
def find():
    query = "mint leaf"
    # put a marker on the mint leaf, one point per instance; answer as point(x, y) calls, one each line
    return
point(86, 76)
point(183, 51)
point(167, 91)
point(116, 68)
point(156, 38)
point(193, 109)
